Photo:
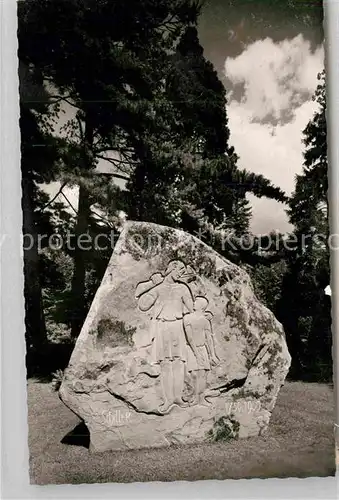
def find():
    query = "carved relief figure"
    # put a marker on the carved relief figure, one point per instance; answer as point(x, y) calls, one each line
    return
point(168, 299)
point(199, 335)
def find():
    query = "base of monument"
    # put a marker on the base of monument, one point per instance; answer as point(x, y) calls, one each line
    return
point(117, 427)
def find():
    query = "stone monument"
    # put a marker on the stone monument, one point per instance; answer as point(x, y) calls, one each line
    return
point(176, 347)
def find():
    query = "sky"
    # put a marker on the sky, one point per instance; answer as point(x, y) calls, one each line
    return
point(268, 62)
point(268, 59)
point(267, 141)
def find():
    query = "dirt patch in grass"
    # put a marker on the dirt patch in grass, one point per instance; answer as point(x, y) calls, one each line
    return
point(299, 443)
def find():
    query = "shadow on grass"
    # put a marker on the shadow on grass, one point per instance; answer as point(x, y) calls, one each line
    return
point(79, 436)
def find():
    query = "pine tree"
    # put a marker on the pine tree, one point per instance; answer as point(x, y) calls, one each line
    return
point(196, 183)
point(40, 156)
point(304, 308)
point(106, 60)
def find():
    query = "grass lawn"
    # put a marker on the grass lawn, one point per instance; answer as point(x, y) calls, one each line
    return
point(299, 443)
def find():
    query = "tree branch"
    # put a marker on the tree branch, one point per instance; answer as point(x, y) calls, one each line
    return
point(70, 204)
point(118, 176)
point(111, 149)
point(102, 218)
point(65, 99)
point(115, 161)
point(54, 197)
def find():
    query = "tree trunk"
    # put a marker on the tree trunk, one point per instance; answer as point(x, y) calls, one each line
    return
point(288, 312)
point(79, 271)
point(34, 318)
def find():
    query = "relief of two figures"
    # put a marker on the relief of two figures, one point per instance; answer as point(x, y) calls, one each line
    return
point(182, 334)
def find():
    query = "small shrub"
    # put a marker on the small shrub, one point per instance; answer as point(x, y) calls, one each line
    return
point(57, 379)
point(58, 333)
point(224, 429)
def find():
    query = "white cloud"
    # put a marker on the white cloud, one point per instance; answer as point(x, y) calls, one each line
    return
point(276, 76)
point(279, 80)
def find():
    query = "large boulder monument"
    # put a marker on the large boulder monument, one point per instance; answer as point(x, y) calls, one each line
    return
point(176, 347)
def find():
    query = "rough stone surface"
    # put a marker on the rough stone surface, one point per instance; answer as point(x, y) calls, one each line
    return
point(176, 347)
